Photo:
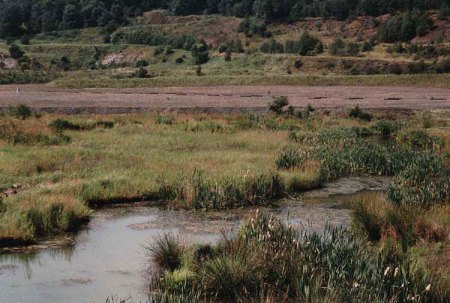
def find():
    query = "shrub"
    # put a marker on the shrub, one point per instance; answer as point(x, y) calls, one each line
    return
point(253, 26)
point(200, 53)
point(367, 47)
point(223, 47)
point(141, 72)
point(337, 47)
point(198, 70)
point(228, 56)
point(272, 46)
point(141, 63)
point(59, 125)
point(352, 49)
point(25, 40)
point(358, 113)
point(307, 44)
point(16, 52)
point(278, 104)
point(21, 112)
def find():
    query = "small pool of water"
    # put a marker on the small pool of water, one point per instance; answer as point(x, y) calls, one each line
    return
point(108, 257)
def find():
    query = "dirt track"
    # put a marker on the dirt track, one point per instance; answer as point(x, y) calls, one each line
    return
point(220, 99)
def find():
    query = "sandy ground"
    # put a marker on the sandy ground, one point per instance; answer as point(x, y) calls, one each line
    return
point(221, 98)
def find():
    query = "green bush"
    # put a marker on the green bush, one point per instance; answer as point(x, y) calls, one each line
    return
point(21, 112)
point(358, 113)
point(200, 53)
point(278, 104)
point(272, 46)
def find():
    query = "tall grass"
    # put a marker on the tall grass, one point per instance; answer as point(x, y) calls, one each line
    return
point(268, 257)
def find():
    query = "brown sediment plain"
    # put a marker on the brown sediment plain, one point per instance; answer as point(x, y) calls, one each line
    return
point(220, 98)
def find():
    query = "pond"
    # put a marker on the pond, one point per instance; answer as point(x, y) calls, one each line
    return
point(108, 257)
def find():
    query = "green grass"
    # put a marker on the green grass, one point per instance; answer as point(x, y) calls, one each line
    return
point(189, 161)
point(268, 261)
point(103, 80)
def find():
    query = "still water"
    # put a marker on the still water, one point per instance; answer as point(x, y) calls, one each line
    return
point(108, 257)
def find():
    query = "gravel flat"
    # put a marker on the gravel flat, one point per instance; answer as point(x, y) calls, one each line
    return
point(221, 98)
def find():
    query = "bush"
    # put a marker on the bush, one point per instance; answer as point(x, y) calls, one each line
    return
point(272, 46)
point(200, 53)
point(21, 112)
point(298, 64)
point(352, 49)
point(16, 52)
point(228, 56)
point(307, 44)
point(253, 26)
point(337, 47)
point(278, 104)
point(59, 125)
point(223, 47)
point(358, 113)
point(25, 40)
point(198, 70)
point(141, 72)
point(141, 63)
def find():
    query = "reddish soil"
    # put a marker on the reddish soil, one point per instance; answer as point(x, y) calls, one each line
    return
point(220, 99)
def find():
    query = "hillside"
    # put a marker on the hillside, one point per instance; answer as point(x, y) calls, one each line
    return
point(156, 49)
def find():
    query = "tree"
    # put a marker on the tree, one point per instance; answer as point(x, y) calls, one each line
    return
point(200, 53)
point(11, 18)
point(307, 44)
point(71, 17)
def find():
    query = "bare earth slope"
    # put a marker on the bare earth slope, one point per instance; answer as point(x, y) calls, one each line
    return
point(220, 99)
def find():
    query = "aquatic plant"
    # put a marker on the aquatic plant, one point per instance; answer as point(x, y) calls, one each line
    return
point(267, 257)
point(166, 252)
point(289, 157)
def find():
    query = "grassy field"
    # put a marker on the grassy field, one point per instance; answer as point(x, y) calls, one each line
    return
point(107, 80)
point(64, 164)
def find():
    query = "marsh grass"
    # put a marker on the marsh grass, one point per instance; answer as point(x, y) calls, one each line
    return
point(197, 162)
point(269, 260)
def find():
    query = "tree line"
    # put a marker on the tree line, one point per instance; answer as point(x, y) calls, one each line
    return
point(18, 17)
